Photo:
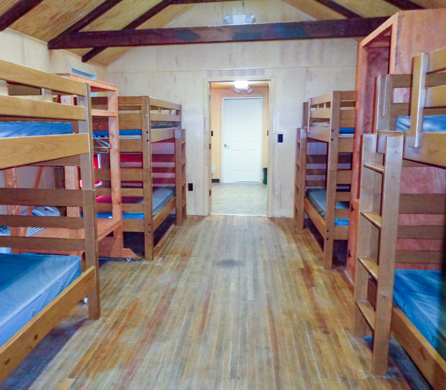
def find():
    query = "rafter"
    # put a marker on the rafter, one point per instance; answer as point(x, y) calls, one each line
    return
point(341, 28)
point(338, 8)
point(404, 4)
point(145, 17)
point(87, 19)
point(16, 12)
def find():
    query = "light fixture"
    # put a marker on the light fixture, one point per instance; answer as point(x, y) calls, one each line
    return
point(241, 84)
point(239, 19)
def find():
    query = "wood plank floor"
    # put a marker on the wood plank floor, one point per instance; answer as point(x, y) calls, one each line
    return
point(230, 303)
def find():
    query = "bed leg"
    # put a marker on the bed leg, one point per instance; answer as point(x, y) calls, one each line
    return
point(328, 253)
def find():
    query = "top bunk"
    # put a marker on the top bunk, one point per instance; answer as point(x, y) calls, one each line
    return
point(416, 106)
point(158, 117)
point(331, 116)
point(34, 125)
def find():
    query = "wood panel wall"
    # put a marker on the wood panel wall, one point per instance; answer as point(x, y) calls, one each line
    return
point(297, 69)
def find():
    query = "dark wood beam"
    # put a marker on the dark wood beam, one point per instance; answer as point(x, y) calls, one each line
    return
point(132, 26)
point(87, 19)
point(16, 12)
point(404, 4)
point(343, 28)
point(339, 8)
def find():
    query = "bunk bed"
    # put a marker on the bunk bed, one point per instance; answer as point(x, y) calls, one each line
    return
point(409, 301)
point(104, 112)
point(38, 290)
point(153, 166)
point(324, 163)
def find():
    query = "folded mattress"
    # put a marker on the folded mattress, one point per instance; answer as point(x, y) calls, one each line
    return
point(27, 129)
point(318, 197)
point(421, 295)
point(431, 123)
point(160, 197)
point(28, 282)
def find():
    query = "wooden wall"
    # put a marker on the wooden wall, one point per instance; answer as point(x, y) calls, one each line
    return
point(297, 69)
point(217, 96)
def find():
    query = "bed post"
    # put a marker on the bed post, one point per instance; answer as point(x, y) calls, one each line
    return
point(147, 186)
point(180, 175)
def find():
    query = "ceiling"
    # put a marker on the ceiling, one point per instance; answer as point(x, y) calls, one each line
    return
point(47, 19)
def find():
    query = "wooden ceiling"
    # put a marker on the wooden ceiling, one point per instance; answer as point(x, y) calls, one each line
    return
point(48, 19)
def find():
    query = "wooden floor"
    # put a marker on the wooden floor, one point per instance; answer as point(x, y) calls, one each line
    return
point(231, 303)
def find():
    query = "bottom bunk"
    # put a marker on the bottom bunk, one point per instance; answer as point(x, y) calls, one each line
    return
point(161, 197)
point(29, 282)
point(421, 296)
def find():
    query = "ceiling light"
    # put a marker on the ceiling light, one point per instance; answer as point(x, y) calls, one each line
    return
point(239, 19)
point(241, 84)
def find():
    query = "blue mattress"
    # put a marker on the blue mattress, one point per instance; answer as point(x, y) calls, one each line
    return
point(26, 129)
point(347, 130)
point(431, 124)
point(421, 295)
point(28, 283)
point(318, 197)
point(123, 133)
point(161, 196)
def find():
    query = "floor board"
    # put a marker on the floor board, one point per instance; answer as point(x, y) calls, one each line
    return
point(230, 302)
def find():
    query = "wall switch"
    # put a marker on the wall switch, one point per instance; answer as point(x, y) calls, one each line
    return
point(279, 138)
point(190, 186)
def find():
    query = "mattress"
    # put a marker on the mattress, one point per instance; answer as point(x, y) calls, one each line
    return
point(347, 130)
point(27, 129)
point(431, 124)
point(161, 196)
point(317, 197)
point(28, 282)
point(421, 295)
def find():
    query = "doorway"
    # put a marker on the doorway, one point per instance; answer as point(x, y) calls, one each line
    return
point(239, 148)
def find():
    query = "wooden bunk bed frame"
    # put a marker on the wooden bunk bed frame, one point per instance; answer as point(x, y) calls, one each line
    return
point(159, 168)
point(104, 111)
point(325, 116)
point(382, 206)
point(56, 150)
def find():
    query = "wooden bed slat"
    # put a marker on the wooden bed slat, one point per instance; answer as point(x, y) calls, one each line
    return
point(163, 104)
point(38, 221)
point(43, 243)
point(163, 117)
point(158, 135)
point(129, 121)
point(41, 197)
point(422, 232)
point(436, 96)
point(27, 150)
point(428, 360)
point(427, 257)
point(422, 204)
point(23, 75)
point(25, 108)
point(130, 145)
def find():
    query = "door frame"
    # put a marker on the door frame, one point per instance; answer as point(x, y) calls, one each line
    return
point(222, 131)
point(207, 136)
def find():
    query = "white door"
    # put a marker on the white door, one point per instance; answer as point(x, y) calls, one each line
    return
point(242, 140)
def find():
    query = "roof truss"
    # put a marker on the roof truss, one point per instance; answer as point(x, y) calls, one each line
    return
point(342, 28)
point(338, 8)
point(404, 4)
point(16, 12)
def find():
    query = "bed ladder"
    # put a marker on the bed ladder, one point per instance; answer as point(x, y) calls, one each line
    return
point(377, 235)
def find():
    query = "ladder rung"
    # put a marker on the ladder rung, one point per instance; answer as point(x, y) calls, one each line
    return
point(370, 265)
point(373, 217)
point(375, 167)
point(368, 312)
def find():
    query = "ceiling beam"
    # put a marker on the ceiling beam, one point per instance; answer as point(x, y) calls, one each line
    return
point(132, 26)
point(338, 8)
point(87, 19)
point(404, 4)
point(144, 18)
point(16, 12)
point(341, 28)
